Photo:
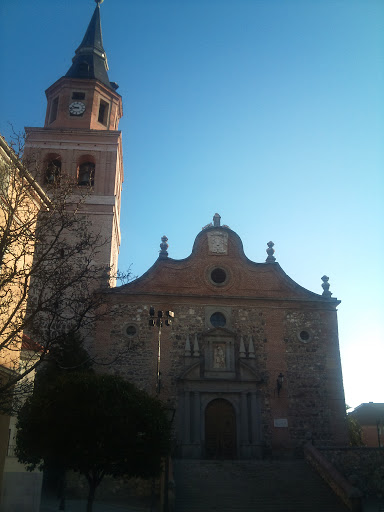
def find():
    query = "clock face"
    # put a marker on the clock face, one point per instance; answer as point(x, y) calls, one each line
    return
point(76, 108)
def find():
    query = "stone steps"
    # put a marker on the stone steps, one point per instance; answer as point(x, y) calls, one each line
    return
point(251, 486)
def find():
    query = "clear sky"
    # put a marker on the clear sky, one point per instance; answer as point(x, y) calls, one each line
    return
point(269, 112)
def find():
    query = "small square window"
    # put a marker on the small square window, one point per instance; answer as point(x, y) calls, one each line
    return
point(78, 95)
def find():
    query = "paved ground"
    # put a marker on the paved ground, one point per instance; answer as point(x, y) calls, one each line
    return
point(373, 505)
point(252, 486)
point(52, 505)
point(80, 506)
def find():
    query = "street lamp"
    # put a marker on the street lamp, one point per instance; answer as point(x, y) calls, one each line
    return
point(158, 321)
point(279, 382)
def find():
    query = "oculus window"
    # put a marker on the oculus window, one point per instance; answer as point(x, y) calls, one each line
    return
point(218, 319)
point(218, 276)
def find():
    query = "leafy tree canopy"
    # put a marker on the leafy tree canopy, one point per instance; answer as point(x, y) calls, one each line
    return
point(94, 424)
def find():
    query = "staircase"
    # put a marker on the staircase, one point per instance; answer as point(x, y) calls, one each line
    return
point(251, 486)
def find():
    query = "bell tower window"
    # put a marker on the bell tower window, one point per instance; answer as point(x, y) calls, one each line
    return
point(53, 172)
point(86, 174)
point(54, 109)
point(78, 95)
point(83, 70)
point(103, 112)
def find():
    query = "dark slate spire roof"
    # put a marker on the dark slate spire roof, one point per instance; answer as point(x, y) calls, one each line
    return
point(90, 60)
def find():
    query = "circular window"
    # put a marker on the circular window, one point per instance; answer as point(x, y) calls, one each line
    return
point(218, 319)
point(131, 330)
point(304, 336)
point(218, 275)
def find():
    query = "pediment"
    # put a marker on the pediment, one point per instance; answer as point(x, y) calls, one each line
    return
point(192, 372)
point(219, 250)
point(247, 373)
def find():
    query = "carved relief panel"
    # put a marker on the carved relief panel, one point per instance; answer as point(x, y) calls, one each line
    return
point(219, 354)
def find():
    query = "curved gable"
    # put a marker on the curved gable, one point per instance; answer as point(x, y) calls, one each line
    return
point(218, 266)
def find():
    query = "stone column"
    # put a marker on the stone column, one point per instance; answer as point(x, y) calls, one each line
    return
point(244, 419)
point(256, 419)
point(196, 420)
point(187, 419)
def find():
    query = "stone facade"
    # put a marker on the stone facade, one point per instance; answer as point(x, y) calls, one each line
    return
point(238, 326)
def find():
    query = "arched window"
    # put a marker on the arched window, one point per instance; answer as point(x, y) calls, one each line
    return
point(53, 171)
point(86, 174)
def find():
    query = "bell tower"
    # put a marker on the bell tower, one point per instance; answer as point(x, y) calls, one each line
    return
point(81, 140)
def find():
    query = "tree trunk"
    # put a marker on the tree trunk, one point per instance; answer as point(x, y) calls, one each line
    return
point(91, 495)
point(62, 490)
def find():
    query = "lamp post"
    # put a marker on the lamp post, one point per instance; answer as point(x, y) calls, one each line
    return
point(279, 382)
point(158, 321)
point(170, 414)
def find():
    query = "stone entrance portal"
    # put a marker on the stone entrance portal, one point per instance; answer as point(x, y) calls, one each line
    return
point(220, 430)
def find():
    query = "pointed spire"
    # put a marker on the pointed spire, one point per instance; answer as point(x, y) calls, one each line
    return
point(90, 60)
point(242, 347)
point(93, 37)
point(187, 349)
point(251, 349)
point(196, 351)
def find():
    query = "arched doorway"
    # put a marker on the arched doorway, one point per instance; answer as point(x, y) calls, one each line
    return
point(220, 430)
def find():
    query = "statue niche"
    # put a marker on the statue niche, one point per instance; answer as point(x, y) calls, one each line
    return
point(219, 353)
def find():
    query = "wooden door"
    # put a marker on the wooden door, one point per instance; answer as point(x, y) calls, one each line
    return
point(220, 430)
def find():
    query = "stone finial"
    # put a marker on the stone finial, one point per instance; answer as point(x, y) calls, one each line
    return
point(251, 349)
point(196, 351)
point(187, 350)
point(270, 251)
point(325, 285)
point(163, 253)
point(242, 348)
point(216, 220)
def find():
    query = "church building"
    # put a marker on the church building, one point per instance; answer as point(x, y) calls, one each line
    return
point(246, 358)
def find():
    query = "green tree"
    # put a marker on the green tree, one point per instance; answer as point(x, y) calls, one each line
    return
point(66, 356)
point(96, 425)
point(355, 432)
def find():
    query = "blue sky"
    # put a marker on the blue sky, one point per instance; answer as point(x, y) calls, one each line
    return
point(270, 113)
